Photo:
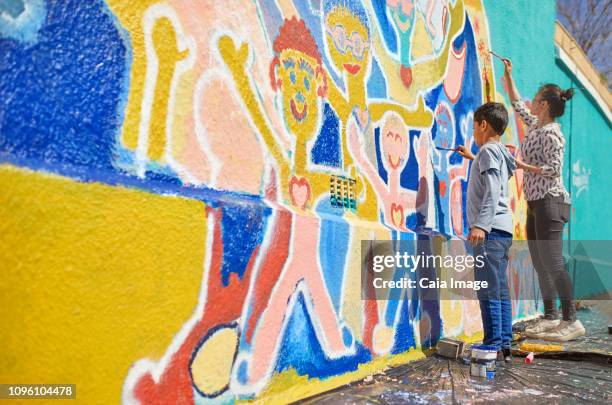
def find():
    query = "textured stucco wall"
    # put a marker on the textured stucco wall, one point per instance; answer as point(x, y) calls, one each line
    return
point(585, 124)
point(168, 233)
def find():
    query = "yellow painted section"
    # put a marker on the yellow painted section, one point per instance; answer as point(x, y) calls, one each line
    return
point(130, 14)
point(165, 43)
point(212, 365)
point(426, 74)
point(421, 44)
point(93, 278)
point(288, 386)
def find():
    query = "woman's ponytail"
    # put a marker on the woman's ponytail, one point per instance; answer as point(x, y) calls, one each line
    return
point(556, 98)
point(567, 94)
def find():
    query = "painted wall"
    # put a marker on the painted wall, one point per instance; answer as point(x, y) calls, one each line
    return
point(586, 125)
point(168, 230)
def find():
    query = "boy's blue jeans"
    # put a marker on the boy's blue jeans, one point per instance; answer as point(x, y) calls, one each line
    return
point(495, 304)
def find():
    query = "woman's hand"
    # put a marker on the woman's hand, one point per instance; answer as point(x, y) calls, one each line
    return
point(465, 152)
point(507, 67)
point(527, 167)
point(513, 93)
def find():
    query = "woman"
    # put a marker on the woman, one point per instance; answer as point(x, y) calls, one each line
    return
point(548, 205)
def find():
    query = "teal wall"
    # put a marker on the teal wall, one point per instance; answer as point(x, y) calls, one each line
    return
point(527, 41)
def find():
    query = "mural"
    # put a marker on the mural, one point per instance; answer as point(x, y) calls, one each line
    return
point(248, 109)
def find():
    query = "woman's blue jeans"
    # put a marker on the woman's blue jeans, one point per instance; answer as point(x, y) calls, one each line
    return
point(495, 304)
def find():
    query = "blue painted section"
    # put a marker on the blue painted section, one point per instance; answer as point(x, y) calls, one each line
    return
point(63, 103)
point(471, 97)
point(404, 332)
point(301, 350)
point(242, 230)
point(409, 177)
point(431, 98)
point(60, 96)
point(377, 85)
point(21, 20)
point(327, 150)
point(382, 172)
point(468, 101)
point(397, 295)
point(389, 36)
point(335, 231)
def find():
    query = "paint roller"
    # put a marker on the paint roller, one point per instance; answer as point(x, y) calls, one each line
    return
point(540, 348)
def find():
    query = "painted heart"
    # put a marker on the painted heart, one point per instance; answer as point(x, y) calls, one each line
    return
point(406, 75)
point(362, 117)
point(442, 188)
point(299, 189)
point(397, 215)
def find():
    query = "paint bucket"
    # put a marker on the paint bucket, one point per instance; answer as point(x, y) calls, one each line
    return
point(483, 361)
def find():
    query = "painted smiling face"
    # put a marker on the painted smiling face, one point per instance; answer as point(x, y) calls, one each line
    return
point(297, 72)
point(348, 41)
point(394, 139)
point(402, 13)
point(444, 122)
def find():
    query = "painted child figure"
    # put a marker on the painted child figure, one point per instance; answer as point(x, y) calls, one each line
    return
point(490, 220)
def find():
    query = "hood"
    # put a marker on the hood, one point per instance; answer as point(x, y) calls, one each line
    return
point(509, 159)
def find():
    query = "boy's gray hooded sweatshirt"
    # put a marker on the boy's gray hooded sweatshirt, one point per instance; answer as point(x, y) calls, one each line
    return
point(488, 205)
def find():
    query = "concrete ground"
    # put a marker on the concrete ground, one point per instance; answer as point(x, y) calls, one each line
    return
point(583, 375)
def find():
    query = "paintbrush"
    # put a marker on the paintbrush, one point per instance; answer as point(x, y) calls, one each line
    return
point(496, 55)
point(441, 148)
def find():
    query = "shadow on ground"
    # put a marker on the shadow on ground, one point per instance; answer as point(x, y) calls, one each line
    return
point(583, 374)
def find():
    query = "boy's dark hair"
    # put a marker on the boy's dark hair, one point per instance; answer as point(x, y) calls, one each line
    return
point(556, 98)
point(495, 114)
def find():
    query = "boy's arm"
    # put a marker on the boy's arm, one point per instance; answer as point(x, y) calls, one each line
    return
point(492, 190)
point(489, 168)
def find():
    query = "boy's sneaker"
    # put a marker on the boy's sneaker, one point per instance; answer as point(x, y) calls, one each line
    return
point(544, 325)
point(504, 355)
point(564, 332)
point(507, 355)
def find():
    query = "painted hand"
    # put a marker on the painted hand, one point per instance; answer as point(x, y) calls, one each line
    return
point(234, 57)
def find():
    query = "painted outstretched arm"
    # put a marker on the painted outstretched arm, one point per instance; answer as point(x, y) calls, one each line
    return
point(319, 184)
point(424, 74)
point(236, 61)
point(414, 118)
point(361, 160)
point(408, 199)
point(336, 98)
point(421, 146)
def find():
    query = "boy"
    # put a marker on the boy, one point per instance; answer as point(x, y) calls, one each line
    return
point(490, 221)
